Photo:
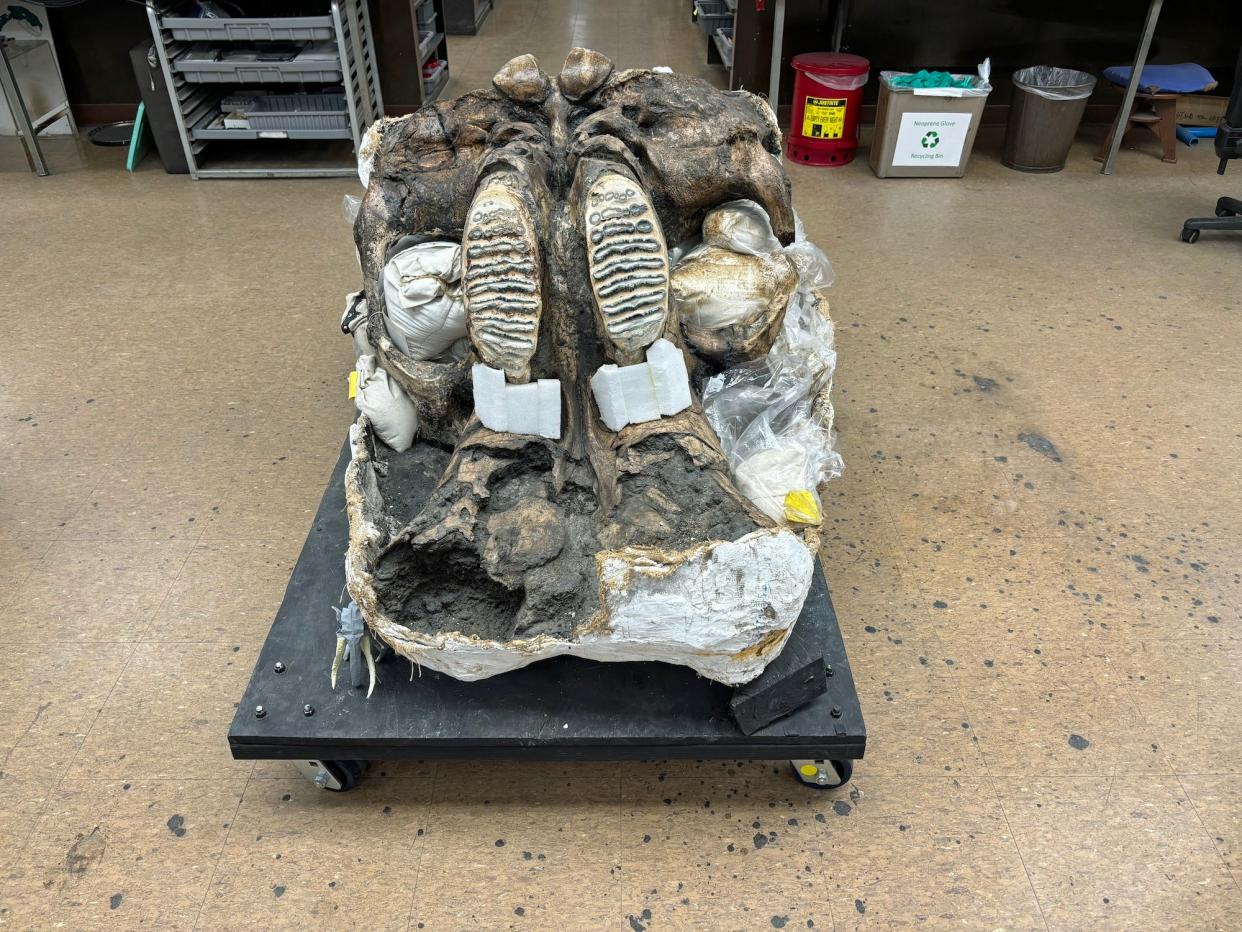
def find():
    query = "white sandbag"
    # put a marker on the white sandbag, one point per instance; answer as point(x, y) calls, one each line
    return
point(354, 323)
point(391, 412)
point(423, 305)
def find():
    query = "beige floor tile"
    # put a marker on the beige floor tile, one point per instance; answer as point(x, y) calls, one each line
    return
point(50, 695)
point(1217, 800)
point(133, 507)
point(933, 852)
point(1185, 692)
point(915, 723)
point(723, 844)
point(227, 591)
point(18, 558)
point(532, 845)
point(134, 853)
point(276, 871)
point(24, 802)
point(23, 518)
point(1043, 728)
point(169, 714)
point(96, 590)
point(1121, 853)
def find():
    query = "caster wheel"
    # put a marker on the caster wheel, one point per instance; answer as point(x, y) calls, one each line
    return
point(348, 773)
point(336, 776)
point(823, 774)
point(1190, 236)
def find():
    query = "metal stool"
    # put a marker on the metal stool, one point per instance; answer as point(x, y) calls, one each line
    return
point(17, 106)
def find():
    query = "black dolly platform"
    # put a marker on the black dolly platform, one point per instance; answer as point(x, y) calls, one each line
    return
point(559, 709)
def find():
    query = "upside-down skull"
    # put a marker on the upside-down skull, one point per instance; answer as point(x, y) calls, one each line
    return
point(616, 534)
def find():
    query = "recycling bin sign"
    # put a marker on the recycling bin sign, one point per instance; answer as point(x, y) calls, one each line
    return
point(932, 139)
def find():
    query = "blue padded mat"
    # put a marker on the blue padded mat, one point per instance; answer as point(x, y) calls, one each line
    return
point(1186, 78)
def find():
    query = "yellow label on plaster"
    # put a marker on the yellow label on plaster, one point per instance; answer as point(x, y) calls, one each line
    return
point(801, 507)
point(353, 384)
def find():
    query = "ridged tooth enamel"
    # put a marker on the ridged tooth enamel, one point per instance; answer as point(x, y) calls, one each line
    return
point(628, 262)
point(501, 278)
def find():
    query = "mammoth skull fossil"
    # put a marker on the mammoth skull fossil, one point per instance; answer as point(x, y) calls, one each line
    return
point(520, 525)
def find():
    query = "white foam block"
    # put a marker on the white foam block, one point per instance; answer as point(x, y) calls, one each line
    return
point(645, 392)
point(522, 404)
point(639, 393)
point(533, 408)
point(608, 397)
point(669, 375)
point(489, 397)
point(549, 408)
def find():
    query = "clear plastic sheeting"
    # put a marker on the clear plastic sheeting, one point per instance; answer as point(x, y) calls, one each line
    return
point(350, 206)
point(1055, 83)
point(840, 82)
point(740, 226)
point(776, 436)
point(424, 310)
point(814, 269)
point(386, 405)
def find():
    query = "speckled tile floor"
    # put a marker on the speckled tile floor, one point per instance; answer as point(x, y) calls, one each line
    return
point(1032, 551)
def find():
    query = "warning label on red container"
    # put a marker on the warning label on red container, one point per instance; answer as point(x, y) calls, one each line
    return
point(823, 118)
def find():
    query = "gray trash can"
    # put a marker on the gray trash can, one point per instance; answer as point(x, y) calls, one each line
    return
point(1048, 104)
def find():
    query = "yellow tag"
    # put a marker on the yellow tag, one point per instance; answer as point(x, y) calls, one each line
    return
point(823, 118)
point(809, 770)
point(353, 384)
point(801, 507)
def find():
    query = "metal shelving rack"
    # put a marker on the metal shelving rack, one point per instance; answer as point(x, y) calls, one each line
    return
point(717, 18)
point(429, 18)
point(196, 87)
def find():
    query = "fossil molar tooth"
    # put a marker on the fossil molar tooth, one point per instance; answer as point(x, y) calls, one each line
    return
point(628, 263)
point(584, 71)
point(520, 79)
point(501, 277)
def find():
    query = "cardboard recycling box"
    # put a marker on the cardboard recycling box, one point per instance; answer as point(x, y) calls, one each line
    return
point(1201, 109)
point(925, 134)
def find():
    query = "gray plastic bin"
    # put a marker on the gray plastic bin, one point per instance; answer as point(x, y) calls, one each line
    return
point(274, 29)
point(300, 111)
point(724, 45)
point(712, 15)
point(1048, 104)
point(258, 72)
